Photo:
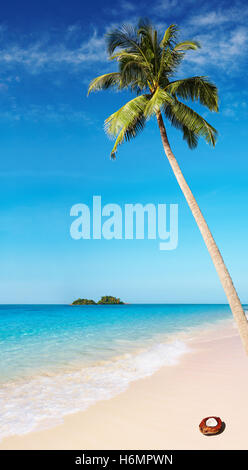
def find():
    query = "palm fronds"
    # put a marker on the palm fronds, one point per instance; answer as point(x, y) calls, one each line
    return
point(127, 122)
point(169, 37)
point(147, 60)
point(109, 80)
point(158, 99)
point(182, 116)
point(187, 45)
point(196, 88)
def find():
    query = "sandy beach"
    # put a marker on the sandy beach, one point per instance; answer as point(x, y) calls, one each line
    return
point(163, 411)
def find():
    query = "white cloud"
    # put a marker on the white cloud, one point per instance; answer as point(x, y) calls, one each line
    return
point(211, 18)
point(220, 16)
point(70, 50)
point(123, 7)
point(163, 5)
point(45, 113)
point(226, 51)
point(128, 6)
point(42, 55)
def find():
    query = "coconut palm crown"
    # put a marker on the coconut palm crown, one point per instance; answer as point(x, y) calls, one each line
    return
point(147, 62)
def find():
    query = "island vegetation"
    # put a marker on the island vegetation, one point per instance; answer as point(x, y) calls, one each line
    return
point(105, 300)
point(108, 299)
point(83, 302)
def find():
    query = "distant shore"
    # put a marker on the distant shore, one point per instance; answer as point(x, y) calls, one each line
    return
point(105, 300)
point(164, 410)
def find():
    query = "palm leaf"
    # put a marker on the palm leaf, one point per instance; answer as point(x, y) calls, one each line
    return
point(145, 30)
point(127, 39)
point(133, 69)
point(187, 45)
point(181, 115)
point(169, 36)
point(122, 38)
point(129, 131)
point(105, 81)
point(169, 62)
point(127, 121)
point(157, 100)
point(196, 88)
point(190, 137)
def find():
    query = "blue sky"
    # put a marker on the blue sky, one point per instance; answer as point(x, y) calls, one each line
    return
point(54, 153)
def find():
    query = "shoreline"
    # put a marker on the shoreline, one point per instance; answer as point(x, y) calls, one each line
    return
point(163, 410)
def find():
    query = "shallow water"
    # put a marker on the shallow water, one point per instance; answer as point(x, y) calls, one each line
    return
point(58, 359)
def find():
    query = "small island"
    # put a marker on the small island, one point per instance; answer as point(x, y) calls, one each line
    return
point(105, 300)
point(109, 300)
point(83, 302)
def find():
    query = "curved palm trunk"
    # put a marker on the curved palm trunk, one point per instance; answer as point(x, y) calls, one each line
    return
point(214, 252)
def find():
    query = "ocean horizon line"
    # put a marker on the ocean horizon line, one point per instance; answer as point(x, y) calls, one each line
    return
point(125, 303)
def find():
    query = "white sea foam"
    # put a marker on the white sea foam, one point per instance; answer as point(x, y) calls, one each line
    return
point(42, 401)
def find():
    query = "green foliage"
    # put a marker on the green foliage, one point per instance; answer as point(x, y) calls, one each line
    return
point(127, 122)
point(196, 89)
point(105, 81)
point(83, 302)
point(105, 300)
point(108, 299)
point(192, 124)
point(147, 60)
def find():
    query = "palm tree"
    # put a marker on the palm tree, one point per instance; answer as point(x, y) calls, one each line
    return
point(146, 65)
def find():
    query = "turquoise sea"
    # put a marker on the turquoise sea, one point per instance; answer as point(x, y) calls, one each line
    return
point(59, 359)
